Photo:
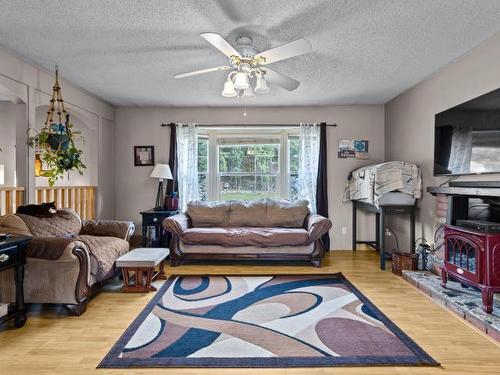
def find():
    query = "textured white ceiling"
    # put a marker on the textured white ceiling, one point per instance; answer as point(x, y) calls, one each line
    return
point(127, 51)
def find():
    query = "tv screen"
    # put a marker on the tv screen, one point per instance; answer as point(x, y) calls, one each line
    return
point(467, 137)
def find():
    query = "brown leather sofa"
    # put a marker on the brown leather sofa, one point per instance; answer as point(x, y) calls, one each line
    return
point(239, 230)
point(68, 259)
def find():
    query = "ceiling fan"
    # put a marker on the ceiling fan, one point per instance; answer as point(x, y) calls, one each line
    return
point(247, 64)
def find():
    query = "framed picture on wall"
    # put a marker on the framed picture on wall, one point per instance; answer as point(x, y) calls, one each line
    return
point(144, 156)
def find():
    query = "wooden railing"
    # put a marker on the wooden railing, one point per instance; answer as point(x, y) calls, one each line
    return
point(79, 198)
point(10, 199)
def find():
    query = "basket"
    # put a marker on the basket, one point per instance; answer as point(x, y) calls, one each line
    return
point(403, 261)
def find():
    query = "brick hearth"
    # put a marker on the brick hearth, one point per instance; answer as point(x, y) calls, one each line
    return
point(464, 301)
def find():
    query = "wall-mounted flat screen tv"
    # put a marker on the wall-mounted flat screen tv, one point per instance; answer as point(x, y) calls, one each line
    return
point(467, 137)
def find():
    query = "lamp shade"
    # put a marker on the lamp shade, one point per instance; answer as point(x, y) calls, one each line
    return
point(248, 93)
point(241, 81)
point(261, 85)
point(229, 91)
point(2, 174)
point(161, 171)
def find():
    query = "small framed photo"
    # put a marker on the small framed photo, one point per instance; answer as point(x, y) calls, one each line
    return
point(361, 146)
point(144, 156)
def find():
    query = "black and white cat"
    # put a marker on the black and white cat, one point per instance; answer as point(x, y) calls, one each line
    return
point(38, 210)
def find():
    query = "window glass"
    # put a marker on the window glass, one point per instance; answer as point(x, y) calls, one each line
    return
point(248, 171)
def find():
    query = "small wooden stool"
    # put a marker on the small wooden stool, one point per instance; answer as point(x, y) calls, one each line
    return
point(138, 268)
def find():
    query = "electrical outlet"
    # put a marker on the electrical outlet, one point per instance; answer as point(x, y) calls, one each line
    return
point(344, 229)
point(388, 232)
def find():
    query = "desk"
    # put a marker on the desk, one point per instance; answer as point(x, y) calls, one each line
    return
point(380, 213)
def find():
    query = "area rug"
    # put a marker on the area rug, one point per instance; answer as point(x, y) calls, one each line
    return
point(262, 321)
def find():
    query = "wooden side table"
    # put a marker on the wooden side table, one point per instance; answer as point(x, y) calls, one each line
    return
point(13, 255)
point(154, 218)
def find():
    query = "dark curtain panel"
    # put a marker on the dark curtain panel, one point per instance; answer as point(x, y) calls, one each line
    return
point(172, 159)
point(322, 183)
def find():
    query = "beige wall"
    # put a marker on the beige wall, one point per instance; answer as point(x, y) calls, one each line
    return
point(410, 119)
point(135, 191)
point(32, 85)
point(11, 123)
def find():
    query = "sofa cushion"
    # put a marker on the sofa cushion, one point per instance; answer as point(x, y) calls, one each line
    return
point(250, 236)
point(217, 249)
point(208, 214)
point(286, 214)
point(248, 213)
point(64, 223)
point(103, 253)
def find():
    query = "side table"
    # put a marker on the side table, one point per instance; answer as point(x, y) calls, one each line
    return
point(154, 218)
point(13, 255)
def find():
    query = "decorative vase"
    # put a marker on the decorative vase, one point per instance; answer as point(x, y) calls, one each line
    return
point(172, 202)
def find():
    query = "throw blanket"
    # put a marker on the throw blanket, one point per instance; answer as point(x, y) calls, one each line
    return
point(64, 223)
point(372, 181)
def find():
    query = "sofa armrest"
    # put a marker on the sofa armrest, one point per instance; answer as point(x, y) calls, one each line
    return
point(177, 224)
point(52, 248)
point(108, 228)
point(317, 226)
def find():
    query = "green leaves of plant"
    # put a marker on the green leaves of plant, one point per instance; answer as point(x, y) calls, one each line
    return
point(59, 151)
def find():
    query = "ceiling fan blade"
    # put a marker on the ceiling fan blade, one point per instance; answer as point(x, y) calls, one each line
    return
point(220, 43)
point(281, 80)
point(203, 71)
point(292, 49)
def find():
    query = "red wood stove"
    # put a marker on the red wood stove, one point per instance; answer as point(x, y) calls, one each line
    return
point(473, 258)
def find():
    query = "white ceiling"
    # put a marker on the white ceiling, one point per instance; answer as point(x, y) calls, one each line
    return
point(127, 51)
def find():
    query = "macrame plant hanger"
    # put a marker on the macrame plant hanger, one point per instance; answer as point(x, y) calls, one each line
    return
point(57, 101)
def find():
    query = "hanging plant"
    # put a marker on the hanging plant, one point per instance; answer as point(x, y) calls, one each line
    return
point(57, 141)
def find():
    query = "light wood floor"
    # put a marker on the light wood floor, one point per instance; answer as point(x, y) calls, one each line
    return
point(52, 343)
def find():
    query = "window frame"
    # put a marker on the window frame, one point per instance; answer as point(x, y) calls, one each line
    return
point(216, 134)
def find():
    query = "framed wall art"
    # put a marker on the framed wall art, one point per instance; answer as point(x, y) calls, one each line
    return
point(144, 156)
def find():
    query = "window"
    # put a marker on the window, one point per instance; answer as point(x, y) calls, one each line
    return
point(248, 171)
point(247, 164)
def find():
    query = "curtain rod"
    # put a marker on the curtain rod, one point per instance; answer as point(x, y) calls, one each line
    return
point(251, 125)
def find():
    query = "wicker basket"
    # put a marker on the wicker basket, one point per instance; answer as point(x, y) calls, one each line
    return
point(403, 261)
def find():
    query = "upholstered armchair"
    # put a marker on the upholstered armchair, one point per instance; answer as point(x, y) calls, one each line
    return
point(68, 259)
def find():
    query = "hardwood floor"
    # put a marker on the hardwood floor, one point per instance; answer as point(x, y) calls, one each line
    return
point(53, 343)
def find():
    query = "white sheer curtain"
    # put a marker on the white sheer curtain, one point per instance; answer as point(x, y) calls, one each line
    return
point(308, 162)
point(187, 163)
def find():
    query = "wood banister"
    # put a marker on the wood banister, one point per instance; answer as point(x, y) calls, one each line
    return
point(79, 198)
point(11, 197)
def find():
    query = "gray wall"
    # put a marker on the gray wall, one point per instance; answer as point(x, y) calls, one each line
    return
point(410, 120)
point(135, 191)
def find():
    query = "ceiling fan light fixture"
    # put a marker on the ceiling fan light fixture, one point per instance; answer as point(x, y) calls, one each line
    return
point(248, 93)
point(261, 85)
point(229, 91)
point(241, 81)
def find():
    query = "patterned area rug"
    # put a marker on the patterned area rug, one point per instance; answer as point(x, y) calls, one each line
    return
point(262, 321)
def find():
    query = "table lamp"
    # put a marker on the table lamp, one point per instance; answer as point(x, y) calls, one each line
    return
point(161, 172)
